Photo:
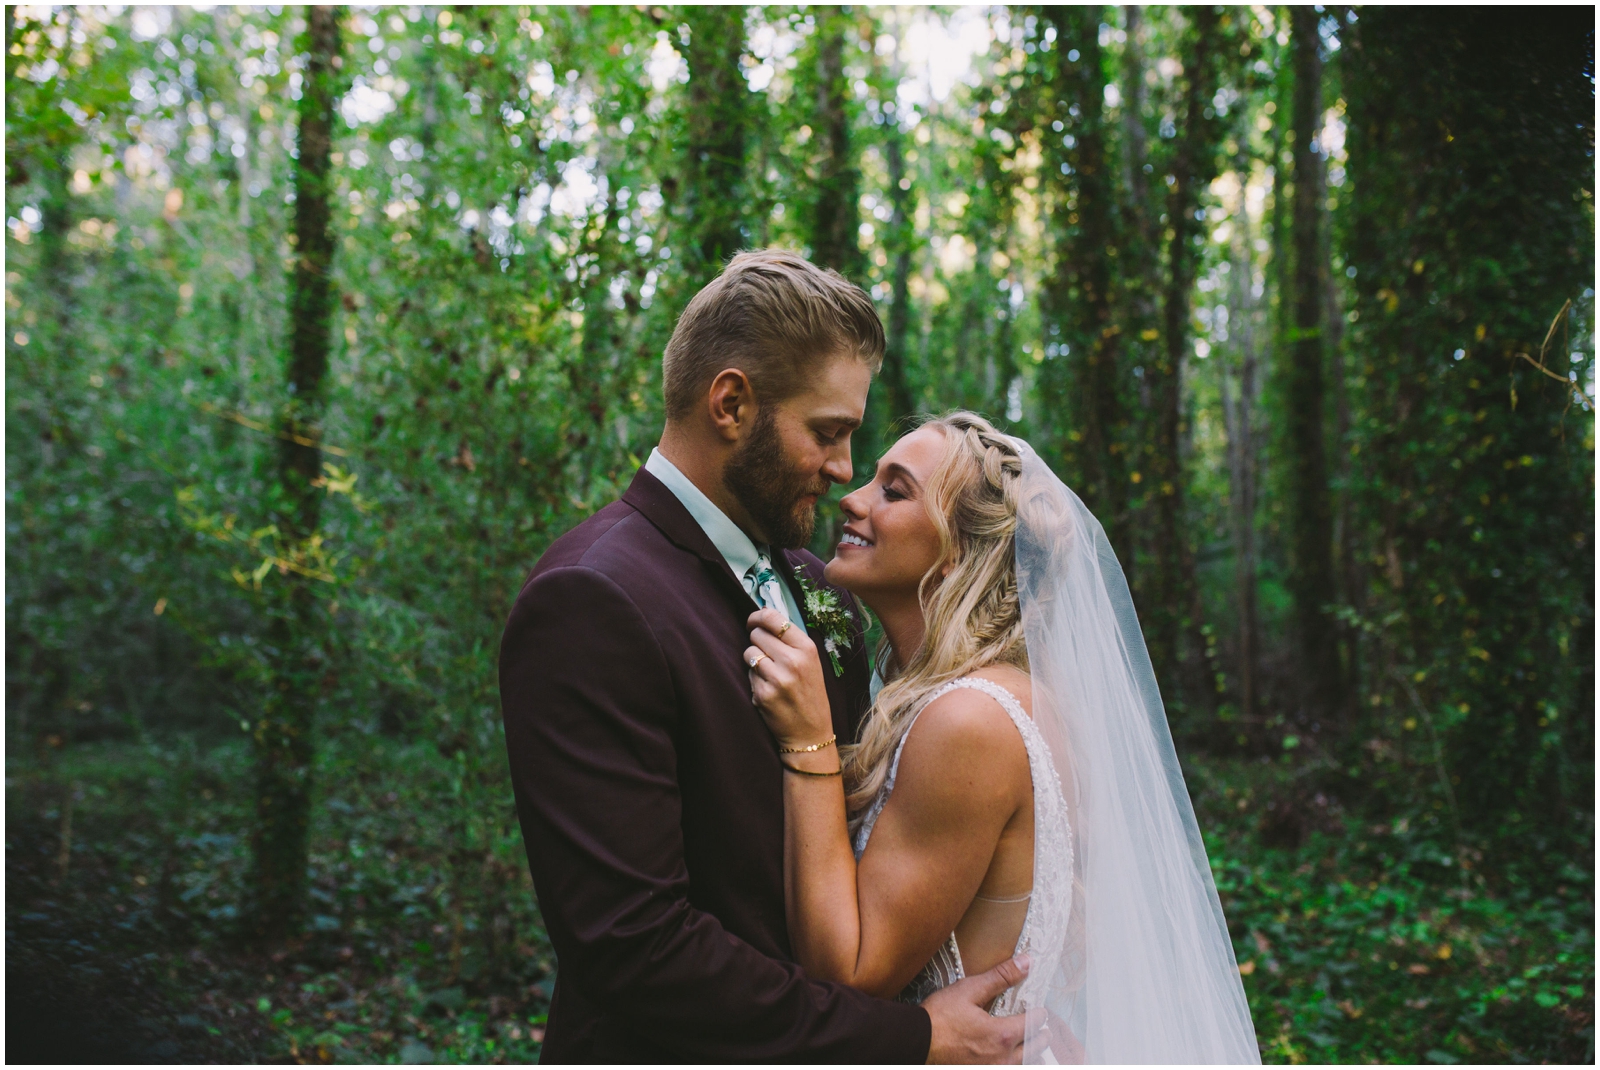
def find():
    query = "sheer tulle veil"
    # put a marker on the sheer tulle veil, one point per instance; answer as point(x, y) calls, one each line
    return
point(1144, 971)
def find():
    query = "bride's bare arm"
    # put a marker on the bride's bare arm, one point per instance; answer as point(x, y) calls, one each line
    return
point(962, 778)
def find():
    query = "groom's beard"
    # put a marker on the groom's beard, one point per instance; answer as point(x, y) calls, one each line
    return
point(758, 475)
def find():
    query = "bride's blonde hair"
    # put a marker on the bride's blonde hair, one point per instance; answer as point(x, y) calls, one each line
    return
point(969, 596)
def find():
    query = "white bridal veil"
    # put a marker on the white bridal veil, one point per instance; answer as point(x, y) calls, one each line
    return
point(1144, 971)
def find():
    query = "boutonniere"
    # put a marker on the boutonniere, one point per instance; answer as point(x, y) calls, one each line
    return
point(824, 613)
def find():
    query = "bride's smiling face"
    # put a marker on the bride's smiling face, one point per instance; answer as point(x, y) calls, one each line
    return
point(889, 541)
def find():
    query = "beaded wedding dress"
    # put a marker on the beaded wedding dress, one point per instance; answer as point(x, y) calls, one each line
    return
point(1132, 962)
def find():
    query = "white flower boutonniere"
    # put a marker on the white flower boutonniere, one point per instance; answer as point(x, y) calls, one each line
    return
point(824, 613)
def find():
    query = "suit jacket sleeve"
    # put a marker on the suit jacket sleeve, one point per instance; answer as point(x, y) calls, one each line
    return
point(589, 713)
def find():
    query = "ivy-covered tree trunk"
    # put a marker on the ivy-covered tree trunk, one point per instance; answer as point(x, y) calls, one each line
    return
point(284, 734)
point(718, 121)
point(1239, 412)
point(1168, 603)
point(1311, 573)
point(1136, 182)
point(835, 229)
point(1139, 259)
point(1469, 222)
point(596, 365)
point(1086, 232)
point(899, 402)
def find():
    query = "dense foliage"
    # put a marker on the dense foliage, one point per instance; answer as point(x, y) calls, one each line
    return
point(1300, 302)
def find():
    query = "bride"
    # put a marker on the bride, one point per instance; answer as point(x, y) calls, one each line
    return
point(1014, 790)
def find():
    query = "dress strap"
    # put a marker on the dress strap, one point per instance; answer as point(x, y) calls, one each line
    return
point(1005, 698)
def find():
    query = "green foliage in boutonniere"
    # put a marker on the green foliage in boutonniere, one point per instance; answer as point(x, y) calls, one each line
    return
point(824, 614)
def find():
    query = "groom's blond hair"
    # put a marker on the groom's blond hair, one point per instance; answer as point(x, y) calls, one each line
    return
point(775, 316)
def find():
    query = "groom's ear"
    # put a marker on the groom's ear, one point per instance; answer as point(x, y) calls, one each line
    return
point(731, 402)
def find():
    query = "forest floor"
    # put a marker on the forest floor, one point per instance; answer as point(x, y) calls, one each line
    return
point(126, 864)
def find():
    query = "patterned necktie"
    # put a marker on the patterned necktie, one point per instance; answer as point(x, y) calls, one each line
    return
point(762, 583)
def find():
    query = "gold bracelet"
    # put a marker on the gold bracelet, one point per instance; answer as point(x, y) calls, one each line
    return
point(807, 772)
point(824, 745)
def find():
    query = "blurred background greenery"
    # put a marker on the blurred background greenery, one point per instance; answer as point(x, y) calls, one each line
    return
point(321, 325)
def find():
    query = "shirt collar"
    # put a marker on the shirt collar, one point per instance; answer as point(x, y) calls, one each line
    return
point(732, 543)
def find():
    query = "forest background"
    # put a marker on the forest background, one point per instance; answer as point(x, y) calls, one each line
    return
point(322, 323)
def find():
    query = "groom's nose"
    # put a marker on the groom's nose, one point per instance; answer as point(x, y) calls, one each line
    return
point(837, 467)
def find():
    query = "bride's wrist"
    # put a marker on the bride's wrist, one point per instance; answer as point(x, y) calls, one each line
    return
point(807, 741)
point(818, 762)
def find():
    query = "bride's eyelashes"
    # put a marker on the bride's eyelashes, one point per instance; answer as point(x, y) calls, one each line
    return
point(894, 494)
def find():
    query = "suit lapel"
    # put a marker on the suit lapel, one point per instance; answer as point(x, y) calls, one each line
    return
point(663, 509)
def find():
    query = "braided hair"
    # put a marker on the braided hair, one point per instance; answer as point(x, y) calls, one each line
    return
point(969, 597)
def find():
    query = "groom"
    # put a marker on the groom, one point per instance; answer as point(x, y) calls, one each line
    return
point(649, 791)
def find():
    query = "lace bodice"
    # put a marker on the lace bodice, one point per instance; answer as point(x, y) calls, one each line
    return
point(1051, 899)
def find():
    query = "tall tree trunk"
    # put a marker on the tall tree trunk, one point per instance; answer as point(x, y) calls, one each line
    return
point(898, 400)
point(1134, 153)
point(428, 126)
point(592, 375)
point(1170, 602)
point(52, 166)
point(1311, 575)
point(284, 744)
point(1239, 411)
point(1086, 241)
point(718, 130)
point(1140, 271)
point(1347, 563)
point(56, 263)
point(835, 229)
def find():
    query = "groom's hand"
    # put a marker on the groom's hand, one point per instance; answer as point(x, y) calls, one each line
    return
point(963, 1031)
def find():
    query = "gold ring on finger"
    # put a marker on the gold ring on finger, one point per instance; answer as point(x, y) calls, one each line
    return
point(757, 659)
point(786, 626)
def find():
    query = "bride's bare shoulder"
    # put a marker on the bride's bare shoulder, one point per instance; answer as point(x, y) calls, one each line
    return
point(965, 738)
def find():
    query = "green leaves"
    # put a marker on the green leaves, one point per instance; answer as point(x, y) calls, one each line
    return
point(1384, 944)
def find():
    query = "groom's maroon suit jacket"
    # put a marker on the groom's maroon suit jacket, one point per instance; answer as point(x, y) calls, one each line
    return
point(651, 803)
